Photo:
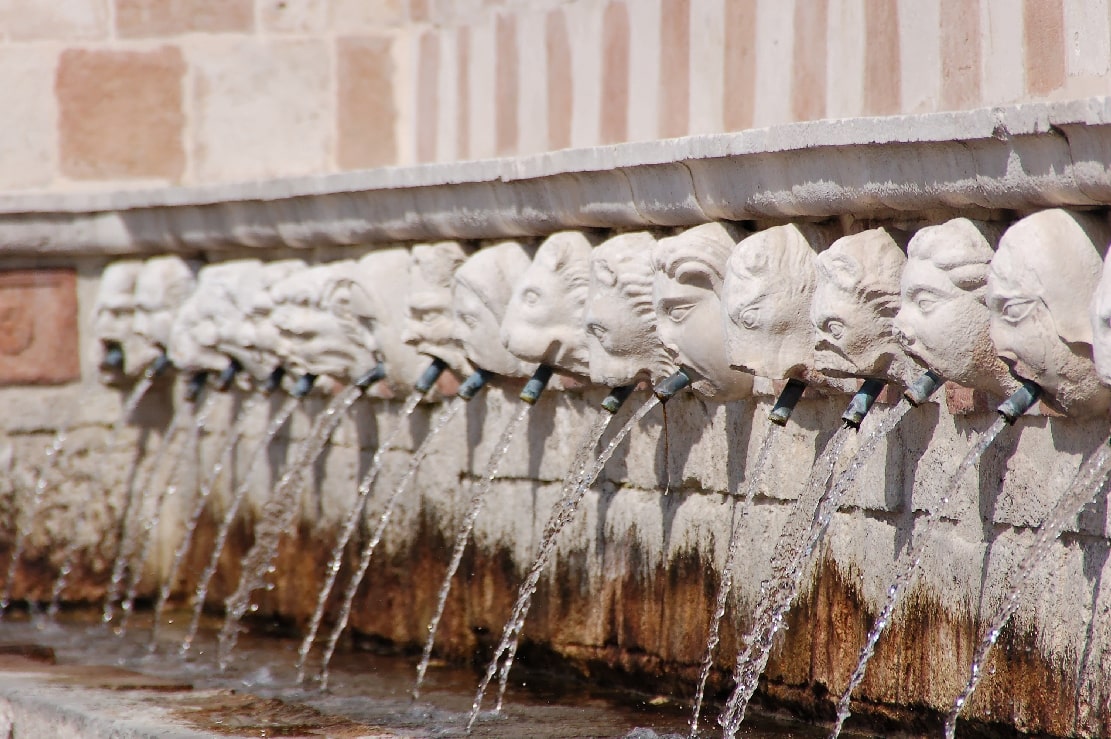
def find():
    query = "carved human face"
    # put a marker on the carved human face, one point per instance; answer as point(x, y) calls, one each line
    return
point(431, 325)
point(114, 312)
point(688, 310)
point(854, 306)
point(544, 320)
point(163, 285)
point(312, 338)
point(769, 284)
point(620, 319)
point(478, 329)
point(946, 326)
point(253, 340)
point(378, 301)
point(1043, 275)
point(197, 331)
point(481, 292)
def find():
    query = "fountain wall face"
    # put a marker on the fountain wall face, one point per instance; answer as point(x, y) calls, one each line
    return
point(1040, 288)
point(162, 286)
point(253, 340)
point(944, 322)
point(480, 294)
point(854, 305)
point(544, 320)
point(114, 318)
point(690, 271)
point(620, 317)
point(197, 328)
point(431, 327)
point(377, 300)
point(769, 284)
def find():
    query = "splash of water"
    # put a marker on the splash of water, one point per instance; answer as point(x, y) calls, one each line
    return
point(791, 558)
point(579, 478)
point(139, 501)
point(481, 490)
point(259, 453)
point(278, 516)
point(199, 505)
point(27, 517)
point(354, 515)
point(152, 518)
point(910, 562)
point(383, 520)
point(725, 586)
point(1090, 480)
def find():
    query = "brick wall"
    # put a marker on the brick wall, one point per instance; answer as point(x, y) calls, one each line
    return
point(126, 93)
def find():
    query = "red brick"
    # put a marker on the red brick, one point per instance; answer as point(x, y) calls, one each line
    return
point(964, 401)
point(614, 125)
point(675, 66)
point(507, 84)
point(740, 65)
point(463, 91)
point(366, 110)
point(38, 327)
point(120, 113)
point(1044, 30)
point(561, 98)
point(142, 18)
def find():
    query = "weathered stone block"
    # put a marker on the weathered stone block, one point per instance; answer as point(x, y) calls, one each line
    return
point(38, 327)
point(120, 113)
point(66, 19)
point(366, 113)
point(28, 130)
point(141, 18)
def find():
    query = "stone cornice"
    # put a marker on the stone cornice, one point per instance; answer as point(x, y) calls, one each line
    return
point(1018, 158)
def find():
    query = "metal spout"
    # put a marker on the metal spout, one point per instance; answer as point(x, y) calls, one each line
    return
point(536, 384)
point(786, 402)
point(303, 385)
point(378, 372)
point(195, 386)
point(274, 381)
point(862, 403)
point(227, 377)
point(474, 383)
point(617, 397)
point(667, 387)
point(428, 378)
point(922, 388)
point(113, 356)
point(160, 365)
point(1020, 401)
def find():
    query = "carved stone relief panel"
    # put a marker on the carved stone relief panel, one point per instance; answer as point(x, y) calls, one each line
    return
point(482, 288)
point(38, 327)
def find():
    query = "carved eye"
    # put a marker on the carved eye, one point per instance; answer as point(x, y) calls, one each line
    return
point(750, 318)
point(834, 328)
point(1016, 310)
point(468, 320)
point(428, 317)
point(679, 312)
point(597, 330)
point(926, 304)
point(531, 297)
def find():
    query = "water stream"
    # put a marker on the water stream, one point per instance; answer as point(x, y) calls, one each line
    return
point(426, 446)
point(199, 505)
point(138, 502)
point(1090, 480)
point(354, 515)
point(481, 489)
point(278, 516)
point(725, 586)
point(27, 515)
point(819, 500)
point(257, 456)
point(910, 562)
point(564, 510)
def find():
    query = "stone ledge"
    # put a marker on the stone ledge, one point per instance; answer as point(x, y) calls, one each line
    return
point(1019, 157)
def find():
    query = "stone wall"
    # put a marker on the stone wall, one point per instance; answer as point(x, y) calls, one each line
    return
point(136, 93)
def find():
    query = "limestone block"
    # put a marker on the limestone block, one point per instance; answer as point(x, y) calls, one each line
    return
point(144, 18)
point(300, 16)
point(28, 129)
point(72, 19)
point(349, 15)
point(241, 88)
point(367, 112)
point(121, 113)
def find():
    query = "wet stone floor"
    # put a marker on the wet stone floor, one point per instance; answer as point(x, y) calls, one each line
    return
point(368, 694)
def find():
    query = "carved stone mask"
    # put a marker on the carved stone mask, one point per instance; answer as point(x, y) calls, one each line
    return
point(482, 287)
point(544, 320)
point(854, 306)
point(313, 339)
point(161, 288)
point(114, 313)
point(690, 272)
point(620, 318)
point(769, 285)
point(943, 320)
point(1040, 288)
point(376, 300)
point(431, 326)
point(196, 333)
point(253, 340)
